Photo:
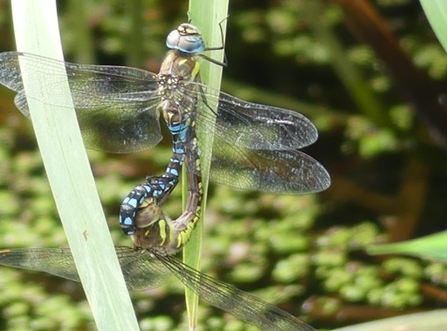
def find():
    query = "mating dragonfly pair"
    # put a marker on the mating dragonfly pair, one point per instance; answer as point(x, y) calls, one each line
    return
point(254, 147)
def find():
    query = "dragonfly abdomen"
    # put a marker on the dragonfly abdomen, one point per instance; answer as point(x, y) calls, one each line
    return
point(136, 200)
point(157, 188)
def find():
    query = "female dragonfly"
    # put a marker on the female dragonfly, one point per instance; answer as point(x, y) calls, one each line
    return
point(254, 146)
point(149, 263)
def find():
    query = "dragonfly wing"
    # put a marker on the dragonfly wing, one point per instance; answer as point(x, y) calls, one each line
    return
point(117, 106)
point(120, 128)
point(277, 171)
point(242, 305)
point(254, 126)
point(55, 261)
point(141, 271)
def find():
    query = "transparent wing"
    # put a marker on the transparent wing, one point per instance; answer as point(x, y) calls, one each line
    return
point(255, 146)
point(55, 261)
point(116, 106)
point(277, 171)
point(258, 126)
point(141, 271)
point(242, 305)
point(252, 125)
point(119, 104)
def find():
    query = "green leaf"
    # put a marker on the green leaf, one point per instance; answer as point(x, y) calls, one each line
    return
point(431, 247)
point(66, 163)
point(426, 321)
point(436, 12)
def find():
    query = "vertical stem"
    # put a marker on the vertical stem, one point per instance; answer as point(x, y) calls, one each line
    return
point(206, 15)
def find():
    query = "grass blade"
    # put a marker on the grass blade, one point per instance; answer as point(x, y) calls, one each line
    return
point(206, 15)
point(424, 321)
point(430, 247)
point(436, 12)
point(68, 170)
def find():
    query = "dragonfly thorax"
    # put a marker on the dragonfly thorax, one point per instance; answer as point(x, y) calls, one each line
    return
point(176, 70)
point(187, 38)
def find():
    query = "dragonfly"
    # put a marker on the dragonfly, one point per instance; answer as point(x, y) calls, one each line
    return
point(149, 263)
point(255, 146)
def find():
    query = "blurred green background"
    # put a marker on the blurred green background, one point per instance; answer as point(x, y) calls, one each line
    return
point(382, 139)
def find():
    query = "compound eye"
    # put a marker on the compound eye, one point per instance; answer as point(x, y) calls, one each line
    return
point(191, 44)
point(186, 38)
point(173, 39)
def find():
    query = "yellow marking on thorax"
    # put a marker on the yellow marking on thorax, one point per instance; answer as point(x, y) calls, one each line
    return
point(195, 71)
point(163, 232)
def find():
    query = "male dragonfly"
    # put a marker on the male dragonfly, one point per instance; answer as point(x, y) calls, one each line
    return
point(254, 146)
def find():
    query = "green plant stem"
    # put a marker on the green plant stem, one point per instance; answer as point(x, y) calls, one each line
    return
point(206, 15)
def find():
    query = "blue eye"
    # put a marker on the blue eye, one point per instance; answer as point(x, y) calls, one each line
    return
point(186, 38)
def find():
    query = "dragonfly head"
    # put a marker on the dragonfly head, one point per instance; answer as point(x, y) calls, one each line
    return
point(187, 38)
